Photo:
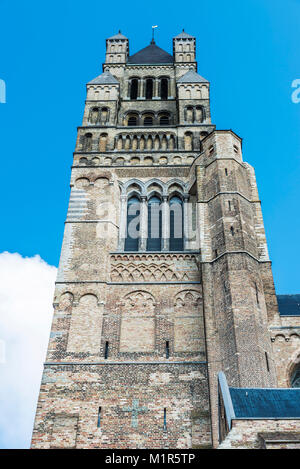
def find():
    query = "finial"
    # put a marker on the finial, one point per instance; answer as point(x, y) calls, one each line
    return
point(153, 27)
point(119, 31)
point(183, 30)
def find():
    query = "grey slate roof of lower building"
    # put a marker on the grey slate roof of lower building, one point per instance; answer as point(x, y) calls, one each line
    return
point(258, 403)
point(192, 77)
point(151, 55)
point(289, 305)
point(105, 78)
point(265, 403)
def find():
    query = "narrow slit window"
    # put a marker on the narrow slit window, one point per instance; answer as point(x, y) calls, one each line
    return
point(256, 293)
point(229, 205)
point(267, 361)
point(226, 172)
point(99, 418)
point(106, 350)
point(165, 419)
point(167, 349)
point(232, 230)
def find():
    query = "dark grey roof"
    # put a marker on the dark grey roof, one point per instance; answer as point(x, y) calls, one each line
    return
point(265, 403)
point(192, 77)
point(151, 55)
point(105, 78)
point(118, 36)
point(184, 35)
point(258, 403)
point(289, 305)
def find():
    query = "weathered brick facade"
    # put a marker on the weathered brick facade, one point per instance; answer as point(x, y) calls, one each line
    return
point(139, 335)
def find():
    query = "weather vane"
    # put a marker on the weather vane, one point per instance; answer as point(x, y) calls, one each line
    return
point(153, 28)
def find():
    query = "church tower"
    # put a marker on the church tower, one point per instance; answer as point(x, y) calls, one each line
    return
point(164, 277)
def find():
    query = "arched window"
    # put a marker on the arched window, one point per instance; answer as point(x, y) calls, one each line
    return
point(295, 381)
point(190, 114)
point(188, 141)
point(148, 120)
point(154, 225)
point(132, 120)
point(133, 225)
point(104, 115)
point(176, 224)
point(87, 142)
point(164, 88)
point(94, 115)
point(199, 114)
point(134, 88)
point(164, 119)
point(149, 88)
point(103, 142)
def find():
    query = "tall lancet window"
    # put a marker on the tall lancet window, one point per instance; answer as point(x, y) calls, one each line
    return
point(176, 224)
point(164, 88)
point(149, 88)
point(295, 381)
point(154, 224)
point(134, 88)
point(133, 225)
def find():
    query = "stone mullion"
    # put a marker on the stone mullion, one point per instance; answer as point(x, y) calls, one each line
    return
point(143, 224)
point(141, 90)
point(172, 89)
point(123, 223)
point(155, 89)
point(165, 224)
point(185, 222)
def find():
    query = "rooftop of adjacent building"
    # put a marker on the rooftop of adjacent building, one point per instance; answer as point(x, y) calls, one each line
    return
point(258, 403)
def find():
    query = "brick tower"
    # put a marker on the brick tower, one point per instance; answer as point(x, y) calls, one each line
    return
point(164, 277)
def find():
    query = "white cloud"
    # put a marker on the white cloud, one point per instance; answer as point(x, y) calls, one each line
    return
point(26, 295)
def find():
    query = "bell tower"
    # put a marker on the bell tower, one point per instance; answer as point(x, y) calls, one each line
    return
point(164, 277)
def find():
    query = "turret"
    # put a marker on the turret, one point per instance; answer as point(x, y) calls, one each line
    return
point(184, 48)
point(117, 49)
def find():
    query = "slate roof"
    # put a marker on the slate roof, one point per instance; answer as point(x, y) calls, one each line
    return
point(265, 403)
point(184, 35)
point(289, 305)
point(105, 78)
point(192, 77)
point(258, 403)
point(118, 36)
point(151, 55)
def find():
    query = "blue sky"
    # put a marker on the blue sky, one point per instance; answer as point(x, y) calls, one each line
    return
point(49, 50)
